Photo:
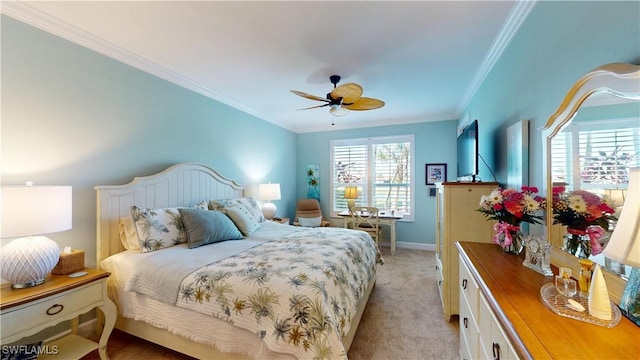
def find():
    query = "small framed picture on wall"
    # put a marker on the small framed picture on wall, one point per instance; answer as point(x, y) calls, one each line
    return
point(435, 173)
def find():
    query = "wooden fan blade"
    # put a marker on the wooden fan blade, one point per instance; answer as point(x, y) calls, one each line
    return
point(348, 92)
point(314, 107)
point(364, 103)
point(309, 96)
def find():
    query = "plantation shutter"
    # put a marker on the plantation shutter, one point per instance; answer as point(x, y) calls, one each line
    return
point(391, 188)
point(351, 168)
point(598, 153)
point(381, 169)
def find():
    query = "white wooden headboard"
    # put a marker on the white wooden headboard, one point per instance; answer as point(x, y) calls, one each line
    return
point(182, 184)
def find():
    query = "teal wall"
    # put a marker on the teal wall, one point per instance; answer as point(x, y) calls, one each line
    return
point(609, 112)
point(71, 116)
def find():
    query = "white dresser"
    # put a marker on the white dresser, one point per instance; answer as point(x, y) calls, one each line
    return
point(503, 317)
point(481, 336)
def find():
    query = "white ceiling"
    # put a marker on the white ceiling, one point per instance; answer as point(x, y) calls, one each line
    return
point(425, 59)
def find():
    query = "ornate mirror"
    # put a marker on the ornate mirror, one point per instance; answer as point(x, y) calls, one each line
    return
point(603, 106)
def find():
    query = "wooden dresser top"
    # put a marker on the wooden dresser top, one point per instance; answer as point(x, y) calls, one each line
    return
point(513, 293)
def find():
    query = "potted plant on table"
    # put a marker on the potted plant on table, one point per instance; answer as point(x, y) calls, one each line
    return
point(510, 208)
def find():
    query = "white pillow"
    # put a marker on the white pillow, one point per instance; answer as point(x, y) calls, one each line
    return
point(252, 205)
point(249, 203)
point(160, 228)
point(128, 234)
point(242, 218)
point(310, 222)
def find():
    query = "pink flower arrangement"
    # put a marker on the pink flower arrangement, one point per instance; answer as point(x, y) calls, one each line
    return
point(511, 207)
point(585, 215)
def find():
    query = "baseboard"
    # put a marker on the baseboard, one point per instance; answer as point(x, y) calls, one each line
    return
point(411, 245)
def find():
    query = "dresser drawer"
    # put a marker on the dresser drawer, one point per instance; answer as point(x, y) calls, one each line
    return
point(491, 336)
point(468, 332)
point(440, 281)
point(63, 306)
point(469, 290)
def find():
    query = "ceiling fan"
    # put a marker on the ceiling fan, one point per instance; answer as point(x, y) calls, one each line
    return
point(343, 98)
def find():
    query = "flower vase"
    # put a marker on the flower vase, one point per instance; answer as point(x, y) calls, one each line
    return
point(509, 237)
point(517, 243)
point(577, 245)
point(583, 243)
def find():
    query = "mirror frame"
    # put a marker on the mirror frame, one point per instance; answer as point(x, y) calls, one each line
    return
point(617, 79)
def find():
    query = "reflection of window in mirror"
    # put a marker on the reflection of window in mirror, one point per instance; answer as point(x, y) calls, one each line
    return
point(593, 153)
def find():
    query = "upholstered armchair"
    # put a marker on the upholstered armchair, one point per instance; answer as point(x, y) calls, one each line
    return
point(309, 214)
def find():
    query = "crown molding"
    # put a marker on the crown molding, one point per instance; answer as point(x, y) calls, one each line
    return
point(518, 14)
point(21, 11)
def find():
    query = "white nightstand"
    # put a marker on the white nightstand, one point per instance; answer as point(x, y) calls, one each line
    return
point(24, 312)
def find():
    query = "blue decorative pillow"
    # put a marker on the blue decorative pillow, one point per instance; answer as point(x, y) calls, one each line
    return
point(204, 227)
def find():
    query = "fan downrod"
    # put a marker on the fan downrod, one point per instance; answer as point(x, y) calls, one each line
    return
point(335, 79)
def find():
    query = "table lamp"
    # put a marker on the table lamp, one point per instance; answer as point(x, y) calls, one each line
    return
point(28, 211)
point(351, 193)
point(624, 246)
point(268, 192)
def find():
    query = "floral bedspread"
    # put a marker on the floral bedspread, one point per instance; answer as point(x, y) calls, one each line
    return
point(298, 293)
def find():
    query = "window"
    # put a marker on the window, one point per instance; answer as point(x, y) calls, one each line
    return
point(594, 156)
point(380, 168)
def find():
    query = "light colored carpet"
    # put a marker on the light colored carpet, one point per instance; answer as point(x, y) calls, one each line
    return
point(403, 319)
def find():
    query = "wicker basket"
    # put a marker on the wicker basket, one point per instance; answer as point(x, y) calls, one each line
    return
point(69, 263)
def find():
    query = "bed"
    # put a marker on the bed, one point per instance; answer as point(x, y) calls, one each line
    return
point(277, 292)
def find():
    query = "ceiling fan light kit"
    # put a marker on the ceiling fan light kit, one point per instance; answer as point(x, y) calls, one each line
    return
point(343, 98)
point(337, 110)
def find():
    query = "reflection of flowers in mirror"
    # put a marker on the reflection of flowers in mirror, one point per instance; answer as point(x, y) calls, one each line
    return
point(586, 215)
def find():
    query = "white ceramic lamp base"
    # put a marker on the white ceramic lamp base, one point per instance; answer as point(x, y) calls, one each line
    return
point(269, 210)
point(26, 261)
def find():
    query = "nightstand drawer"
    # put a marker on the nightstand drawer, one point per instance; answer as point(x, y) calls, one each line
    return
point(66, 305)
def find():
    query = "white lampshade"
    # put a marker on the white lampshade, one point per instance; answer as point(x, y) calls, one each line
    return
point(27, 211)
point(269, 192)
point(624, 245)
